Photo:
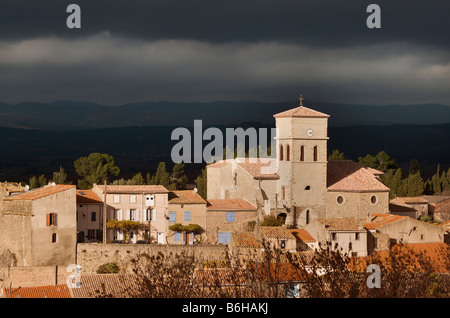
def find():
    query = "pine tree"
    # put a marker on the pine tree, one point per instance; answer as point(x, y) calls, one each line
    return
point(336, 155)
point(436, 181)
point(33, 182)
point(179, 178)
point(137, 179)
point(202, 184)
point(42, 180)
point(415, 185)
point(161, 177)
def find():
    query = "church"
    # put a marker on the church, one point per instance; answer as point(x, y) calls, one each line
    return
point(300, 184)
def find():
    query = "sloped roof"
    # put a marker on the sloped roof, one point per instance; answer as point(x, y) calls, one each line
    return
point(409, 200)
point(185, 197)
point(301, 111)
point(302, 235)
point(277, 232)
point(258, 168)
point(40, 192)
point(50, 291)
point(229, 205)
point(400, 208)
point(378, 220)
point(104, 285)
point(132, 188)
point(433, 199)
point(341, 224)
point(87, 196)
point(347, 175)
point(245, 239)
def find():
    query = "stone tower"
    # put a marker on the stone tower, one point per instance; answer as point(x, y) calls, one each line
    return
point(302, 164)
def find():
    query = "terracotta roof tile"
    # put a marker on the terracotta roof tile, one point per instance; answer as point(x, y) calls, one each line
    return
point(185, 197)
point(347, 175)
point(409, 200)
point(87, 196)
point(302, 235)
point(132, 188)
point(301, 111)
point(341, 224)
point(229, 205)
point(115, 285)
point(245, 239)
point(278, 232)
point(51, 291)
point(380, 220)
point(400, 208)
point(40, 192)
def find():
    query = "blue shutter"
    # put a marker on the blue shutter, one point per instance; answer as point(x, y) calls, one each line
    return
point(176, 237)
point(230, 216)
point(183, 236)
point(172, 217)
point(187, 216)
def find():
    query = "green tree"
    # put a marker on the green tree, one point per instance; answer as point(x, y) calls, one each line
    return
point(201, 184)
point(33, 182)
point(381, 161)
point(414, 167)
point(60, 177)
point(270, 220)
point(42, 180)
point(414, 185)
point(161, 176)
point(95, 168)
point(393, 180)
point(179, 178)
point(138, 179)
point(336, 155)
point(436, 181)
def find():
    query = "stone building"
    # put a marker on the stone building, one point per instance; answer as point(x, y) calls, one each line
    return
point(89, 217)
point(417, 203)
point(438, 207)
point(225, 216)
point(147, 204)
point(388, 229)
point(300, 184)
point(38, 227)
point(186, 207)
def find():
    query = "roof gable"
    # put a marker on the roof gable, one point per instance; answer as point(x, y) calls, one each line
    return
point(40, 192)
point(301, 111)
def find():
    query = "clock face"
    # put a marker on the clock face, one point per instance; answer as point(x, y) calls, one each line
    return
point(309, 132)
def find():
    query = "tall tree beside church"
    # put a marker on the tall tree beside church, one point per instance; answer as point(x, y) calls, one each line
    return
point(381, 161)
point(179, 178)
point(95, 168)
point(201, 184)
point(414, 185)
point(393, 180)
point(336, 155)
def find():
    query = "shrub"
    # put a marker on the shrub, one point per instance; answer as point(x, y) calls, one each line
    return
point(108, 268)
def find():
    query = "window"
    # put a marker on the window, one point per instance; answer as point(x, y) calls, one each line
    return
point(281, 152)
point(357, 236)
point(307, 216)
point(375, 243)
point(333, 236)
point(288, 152)
point(283, 192)
point(176, 237)
point(172, 217)
point(116, 198)
point(51, 219)
point(54, 238)
point(132, 198)
point(133, 216)
point(91, 234)
point(93, 216)
point(374, 199)
point(230, 216)
point(315, 153)
point(283, 245)
point(302, 153)
point(187, 216)
point(340, 199)
point(150, 200)
point(421, 237)
point(308, 188)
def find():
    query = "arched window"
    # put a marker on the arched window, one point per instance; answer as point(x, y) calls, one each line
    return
point(307, 216)
point(302, 153)
point(315, 153)
point(308, 187)
point(54, 238)
point(288, 152)
point(281, 152)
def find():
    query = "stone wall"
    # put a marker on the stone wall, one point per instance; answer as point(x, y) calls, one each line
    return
point(91, 255)
point(28, 276)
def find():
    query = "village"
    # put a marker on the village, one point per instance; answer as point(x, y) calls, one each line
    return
point(311, 201)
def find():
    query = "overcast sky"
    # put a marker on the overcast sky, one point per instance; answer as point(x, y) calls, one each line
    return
point(209, 50)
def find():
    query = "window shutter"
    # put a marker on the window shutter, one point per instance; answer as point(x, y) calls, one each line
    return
point(127, 214)
point(183, 236)
point(55, 222)
point(153, 214)
point(187, 216)
point(137, 215)
point(172, 217)
point(48, 219)
point(120, 216)
point(191, 238)
point(176, 237)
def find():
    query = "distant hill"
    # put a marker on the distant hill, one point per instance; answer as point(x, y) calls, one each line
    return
point(67, 115)
point(25, 152)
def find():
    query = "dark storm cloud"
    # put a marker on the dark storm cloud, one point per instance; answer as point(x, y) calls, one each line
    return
point(311, 22)
point(205, 50)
